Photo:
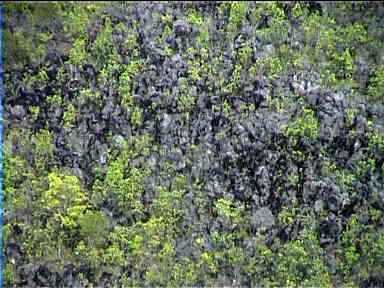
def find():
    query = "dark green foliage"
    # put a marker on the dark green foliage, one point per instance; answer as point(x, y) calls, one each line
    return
point(93, 227)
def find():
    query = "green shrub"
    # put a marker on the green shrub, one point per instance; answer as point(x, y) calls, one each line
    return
point(376, 87)
point(43, 149)
point(245, 53)
point(305, 126)
point(277, 30)
point(186, 103)
point(126, 82)
point(194, 18)
point(269, 66)
point(237, 15)
point(228, 209)
point(34, 111)
point(69, 116)
point(137, 116)
point(299, 262)
point(93, 227)
point(64, 192)
point(54, 100)
point(103, 46)
point(344, 63)
point(9, 275)
point(78, 54)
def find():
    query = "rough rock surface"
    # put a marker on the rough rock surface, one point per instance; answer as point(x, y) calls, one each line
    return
point(194, 144)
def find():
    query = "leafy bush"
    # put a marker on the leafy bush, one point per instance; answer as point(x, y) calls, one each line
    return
point(126, 82)
point(376, 87)
point(93, 227)
point(237, 15)
point(299, 263)
point(186, 103)
point(63, 193)
point(69, 116)
point(305, 126)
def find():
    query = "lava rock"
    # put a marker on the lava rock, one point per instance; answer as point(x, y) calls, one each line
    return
point(181, 28)
point(263, 218)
